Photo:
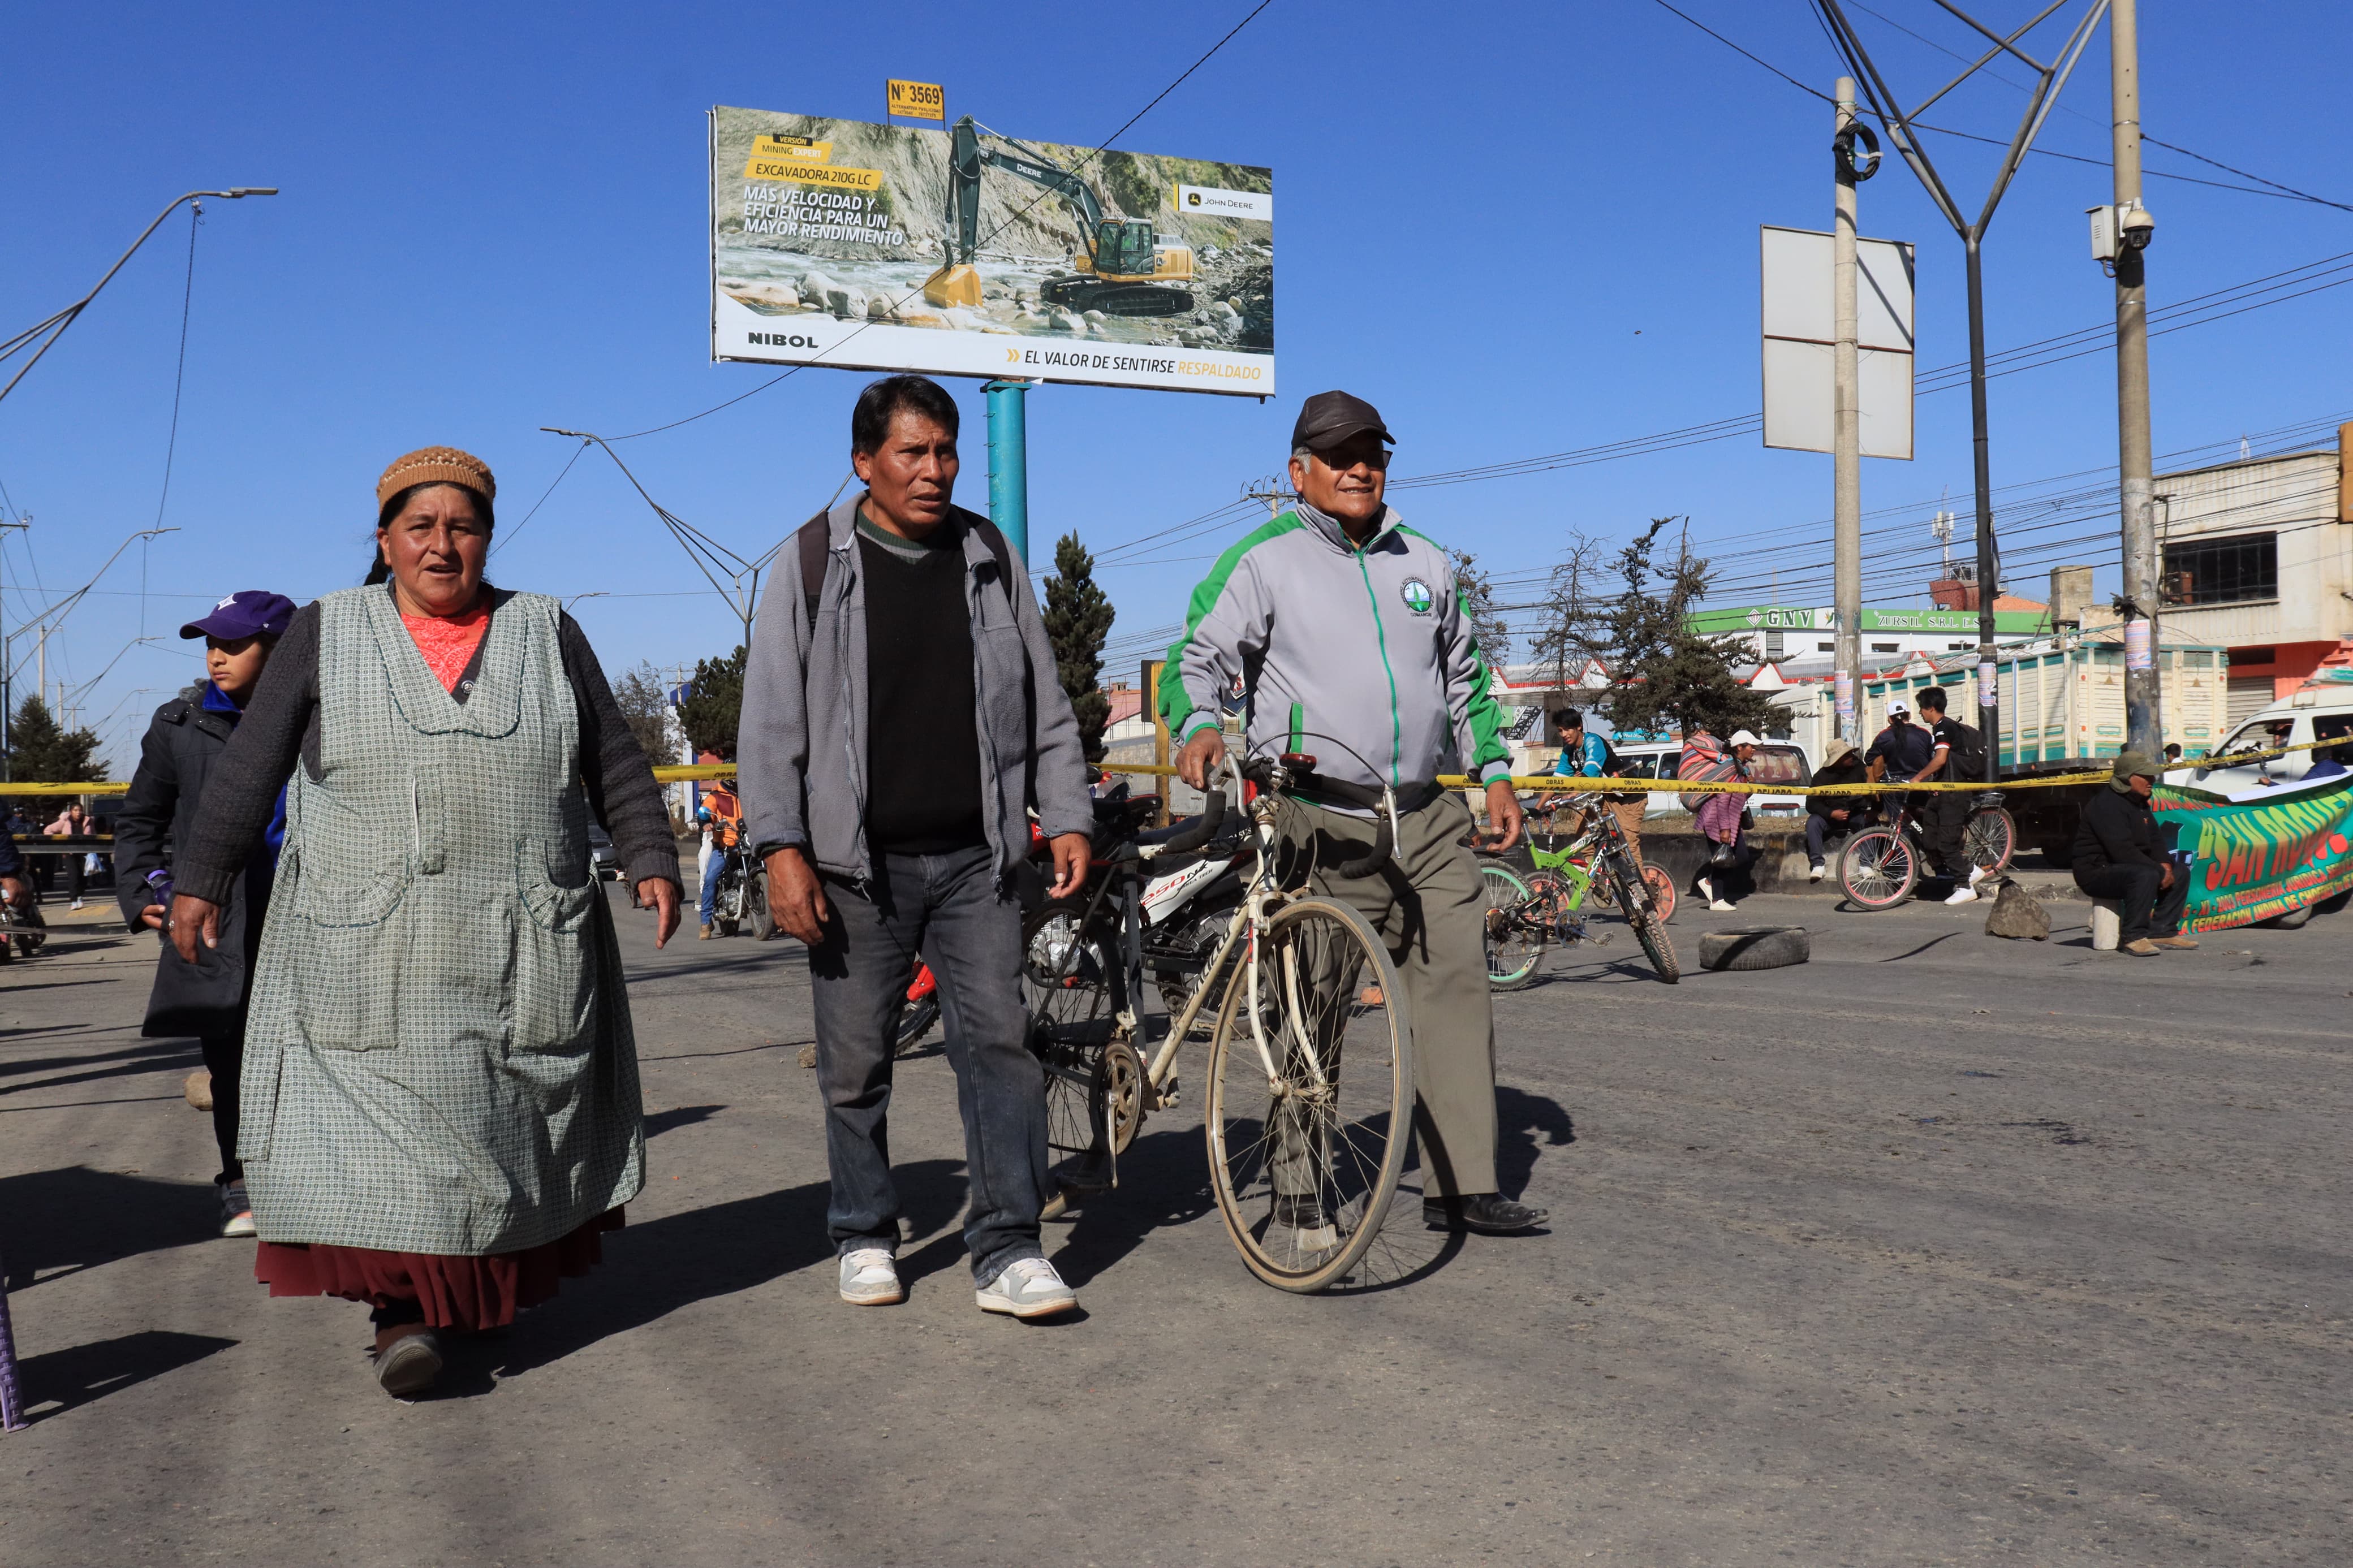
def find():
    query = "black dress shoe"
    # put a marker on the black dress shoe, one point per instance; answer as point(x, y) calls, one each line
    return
point(1486, 1214)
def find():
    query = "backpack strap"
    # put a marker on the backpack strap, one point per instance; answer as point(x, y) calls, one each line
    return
point(813, 537)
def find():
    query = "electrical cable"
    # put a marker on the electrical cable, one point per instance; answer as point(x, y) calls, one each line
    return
point(179, 378)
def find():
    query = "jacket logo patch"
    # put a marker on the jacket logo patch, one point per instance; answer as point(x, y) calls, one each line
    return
point(1417, 595)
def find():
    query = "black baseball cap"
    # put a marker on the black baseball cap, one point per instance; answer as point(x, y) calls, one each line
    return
point(242, 614)
point(1329, 418)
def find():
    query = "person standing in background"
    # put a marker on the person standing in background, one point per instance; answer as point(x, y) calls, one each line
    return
point(73, 822)
point(206, 997)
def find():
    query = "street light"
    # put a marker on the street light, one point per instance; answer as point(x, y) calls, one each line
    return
point(600, 594)
point(55, 325)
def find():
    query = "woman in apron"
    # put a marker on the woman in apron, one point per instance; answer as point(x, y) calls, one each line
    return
point(440, 1097)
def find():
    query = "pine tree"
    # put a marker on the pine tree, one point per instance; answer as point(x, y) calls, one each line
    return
point(1078, 618)
point(714, 705)
point(645, 708)
point(41, 752)
point(1667, 673)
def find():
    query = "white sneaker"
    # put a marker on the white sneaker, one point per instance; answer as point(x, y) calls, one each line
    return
point(1030, 1288)
point(1978, 873)
point(1721, 907)
point(1816, 872)
point(1706, 889)
point(870, 1277)
point(1963, 896)
point(77, 903)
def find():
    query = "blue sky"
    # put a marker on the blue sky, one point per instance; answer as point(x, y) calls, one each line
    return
point(1519, 229)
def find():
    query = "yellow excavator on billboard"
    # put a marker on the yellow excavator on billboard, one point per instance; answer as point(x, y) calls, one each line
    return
point(1124, 269)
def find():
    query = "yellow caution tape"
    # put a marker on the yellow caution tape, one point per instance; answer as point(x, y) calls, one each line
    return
point(90, 787)
point(698, 771)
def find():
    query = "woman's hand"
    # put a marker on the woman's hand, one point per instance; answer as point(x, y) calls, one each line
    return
point(660, 895)
point(191, 918)
point(152, 916)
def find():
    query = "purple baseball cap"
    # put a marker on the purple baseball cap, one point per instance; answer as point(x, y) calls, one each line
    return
point(242, 614)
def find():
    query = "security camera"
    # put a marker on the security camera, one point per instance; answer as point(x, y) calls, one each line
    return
point(2136, 226)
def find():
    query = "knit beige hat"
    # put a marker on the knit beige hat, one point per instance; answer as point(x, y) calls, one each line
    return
point(437, 465)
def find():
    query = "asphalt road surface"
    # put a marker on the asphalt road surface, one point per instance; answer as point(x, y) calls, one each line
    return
point(1938, 1249)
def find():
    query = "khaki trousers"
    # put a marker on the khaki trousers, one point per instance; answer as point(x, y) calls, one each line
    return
point(1430, 911)
point(1629, 813)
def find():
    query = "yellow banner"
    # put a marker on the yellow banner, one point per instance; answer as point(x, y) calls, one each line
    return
point(919, 99)
point(804, 174)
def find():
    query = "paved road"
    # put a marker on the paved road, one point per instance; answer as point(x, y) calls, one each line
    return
point(1940, 1249)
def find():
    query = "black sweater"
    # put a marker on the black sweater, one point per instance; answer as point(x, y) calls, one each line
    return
point(280, 727)
point(923, 736)
point(2117, 830)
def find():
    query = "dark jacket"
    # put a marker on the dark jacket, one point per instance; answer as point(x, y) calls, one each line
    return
point(2118, 829)
point(206, 998)
point(1849, 769)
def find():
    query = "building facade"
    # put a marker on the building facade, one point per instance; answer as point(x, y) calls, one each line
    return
point(2258, 558)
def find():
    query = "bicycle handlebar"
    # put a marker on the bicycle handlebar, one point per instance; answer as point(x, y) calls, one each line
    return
point(1200, 829)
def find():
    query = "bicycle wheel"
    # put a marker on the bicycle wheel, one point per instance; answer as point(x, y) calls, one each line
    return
point(1991, 839)
point(1304, 1158)
point(1515, 942)
point(1070, 983)
point(1663, 892)
point(1878, 867)
point(1634, 899)
point(915, 1021)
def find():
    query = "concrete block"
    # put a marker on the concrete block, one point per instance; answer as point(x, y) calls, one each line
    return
point(2107, 924)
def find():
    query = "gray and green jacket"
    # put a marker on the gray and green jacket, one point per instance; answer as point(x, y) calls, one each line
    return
point(1372, 647)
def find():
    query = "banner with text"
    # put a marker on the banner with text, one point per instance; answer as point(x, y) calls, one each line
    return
point(962, 252)
point(2259, 858)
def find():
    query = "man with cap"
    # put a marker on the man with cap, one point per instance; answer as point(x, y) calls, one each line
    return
point(206, 998)
point(2121, 854)
point(1829, 815)
point(1351, 641)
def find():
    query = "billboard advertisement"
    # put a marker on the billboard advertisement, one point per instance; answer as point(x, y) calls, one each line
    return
point(963, 252)
point(2256, 859)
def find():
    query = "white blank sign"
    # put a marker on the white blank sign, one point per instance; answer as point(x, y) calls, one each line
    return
point(1799, 319)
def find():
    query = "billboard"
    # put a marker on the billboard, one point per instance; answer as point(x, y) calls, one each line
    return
point(1801, 342)
point(962, 252)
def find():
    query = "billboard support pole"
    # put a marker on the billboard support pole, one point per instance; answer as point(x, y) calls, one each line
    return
point(1008, 464)
point(1847, 434)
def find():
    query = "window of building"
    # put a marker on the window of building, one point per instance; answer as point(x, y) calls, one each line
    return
point(1826, 648)
point(2239, 569)
point(1958, 647)
point(1887, 647)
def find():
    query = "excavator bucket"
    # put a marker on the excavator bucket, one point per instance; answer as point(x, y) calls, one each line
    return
point(957, 285)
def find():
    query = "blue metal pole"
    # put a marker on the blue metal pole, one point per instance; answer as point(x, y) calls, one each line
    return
point(1009, 465)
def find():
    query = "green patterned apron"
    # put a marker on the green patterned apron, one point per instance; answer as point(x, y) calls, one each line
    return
point(439, 1056)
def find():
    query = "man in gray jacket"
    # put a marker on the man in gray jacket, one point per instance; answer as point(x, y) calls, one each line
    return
point(901, 714)
point(1351, 639)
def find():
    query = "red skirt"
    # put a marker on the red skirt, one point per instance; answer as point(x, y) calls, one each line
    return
point(455, 1292)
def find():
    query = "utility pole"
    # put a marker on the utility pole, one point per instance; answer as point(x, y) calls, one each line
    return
point(2138, 512)
point(7, 693)
point(1847, 434)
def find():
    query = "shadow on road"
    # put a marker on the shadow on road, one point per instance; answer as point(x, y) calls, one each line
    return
point(660, 1121)
point(653, 1269)
point(1520, 1119)
point(167, 1056)
point(1163, 1180)
point(58, 1380)
point(74, 1218)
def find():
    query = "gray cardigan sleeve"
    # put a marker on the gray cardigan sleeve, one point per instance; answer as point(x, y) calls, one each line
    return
point(772, 739)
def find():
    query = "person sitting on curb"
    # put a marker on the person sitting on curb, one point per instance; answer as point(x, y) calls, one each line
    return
point(2120, 855)
point(1834, 814)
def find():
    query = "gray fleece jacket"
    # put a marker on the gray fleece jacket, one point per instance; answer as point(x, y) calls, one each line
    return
point(1371, 647)
point(801, 743)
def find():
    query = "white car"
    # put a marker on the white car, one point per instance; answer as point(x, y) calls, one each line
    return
point(1776, 762)
point(2316, 713)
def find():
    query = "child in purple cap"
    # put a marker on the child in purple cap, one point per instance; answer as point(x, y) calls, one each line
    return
point(207, 998)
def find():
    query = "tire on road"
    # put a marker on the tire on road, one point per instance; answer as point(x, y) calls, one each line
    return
point(1754, 947)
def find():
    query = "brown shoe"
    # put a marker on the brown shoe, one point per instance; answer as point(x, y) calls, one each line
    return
point(407, 1359)
point(706, 935)
point(2182, 943)
point(2140, 947)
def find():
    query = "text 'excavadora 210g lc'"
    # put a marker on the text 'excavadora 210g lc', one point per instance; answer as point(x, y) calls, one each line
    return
point(1125, 269)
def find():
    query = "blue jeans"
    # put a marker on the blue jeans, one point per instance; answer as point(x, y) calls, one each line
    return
point(720, 860)
point(948, 907)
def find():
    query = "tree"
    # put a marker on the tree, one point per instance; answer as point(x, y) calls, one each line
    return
point(1487, 628)
point(40, 752)
point(1667, 673)
point(1078, 618)
point(713, 705)
point(644, 707)
point(1575, 624)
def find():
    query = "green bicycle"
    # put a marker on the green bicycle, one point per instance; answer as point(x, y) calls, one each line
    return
point(1527, 915)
